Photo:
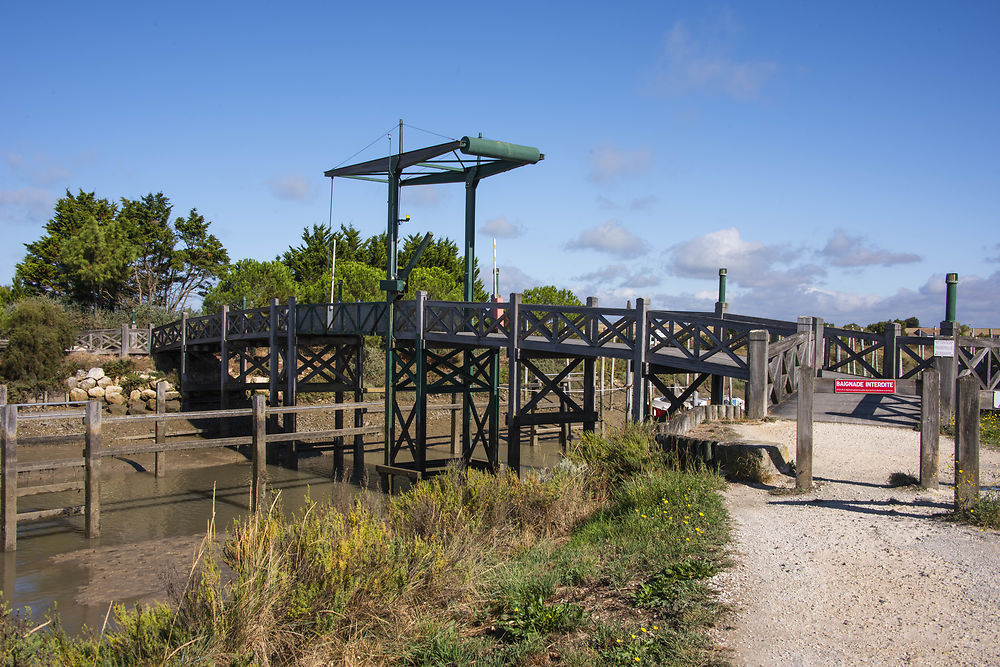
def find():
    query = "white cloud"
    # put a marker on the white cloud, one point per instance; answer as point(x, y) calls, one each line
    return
point(512, 279)
point(749, 263)
point(424, 196)
point(294, 187)
point(610, 237)
point(702, 61)
point(636, 204)
point(608, 163)
point(26, 205)
point(851, 252)
point(501, 228)
point(621, 276)
point(36, 170)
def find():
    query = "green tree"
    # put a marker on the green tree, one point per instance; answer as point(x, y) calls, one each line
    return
point(145, 224)
point(40, 332)
point(196, 264)
point(43, 271)
point(253, 281)
point(95, 263)
point(438, 283)
point(550, 295)
point(311, 259)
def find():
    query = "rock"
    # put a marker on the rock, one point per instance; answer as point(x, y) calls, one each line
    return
point(95, 373)
point(137, 408)
point(168, 386)
point(144, 376)
point(87, 383)
point(149, 394)
point(72, 383)
point(78, 394)
point(96, 392)
point(172, 395)
point(151, 404)
point(80, 374)
point(173, 406)
point(117, 409)
point(115, 399)
point(135, 395)
point(105, 382)
point(113, 389)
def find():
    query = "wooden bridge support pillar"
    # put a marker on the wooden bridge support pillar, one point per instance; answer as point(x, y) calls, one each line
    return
point(8, 464)
point(890, 353)
point(948, 367)
point(273, 369)
point(966, 442)
point(756, 387)
point(639, 361)
point(930, 427)
point(514, 385)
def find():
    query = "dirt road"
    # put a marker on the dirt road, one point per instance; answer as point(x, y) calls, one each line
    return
point(858, 572)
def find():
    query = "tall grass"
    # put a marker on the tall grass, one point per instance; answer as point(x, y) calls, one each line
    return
point(465, 568)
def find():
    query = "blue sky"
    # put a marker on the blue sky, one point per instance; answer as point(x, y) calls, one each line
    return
point(837, 158)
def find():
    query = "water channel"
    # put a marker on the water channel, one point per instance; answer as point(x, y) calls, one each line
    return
point(56, 566)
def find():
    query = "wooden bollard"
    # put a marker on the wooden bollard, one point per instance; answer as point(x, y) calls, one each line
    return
point(930, 428)
point(804, 430)
point(8, 465)
point(454, 425)
point(259, 421)
point(92, 480)
point(966, 442)
point(160, 433)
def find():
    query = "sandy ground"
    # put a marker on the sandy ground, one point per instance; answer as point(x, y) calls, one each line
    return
point(856, 572)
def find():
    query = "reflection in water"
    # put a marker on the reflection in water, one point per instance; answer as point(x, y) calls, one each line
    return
point(140, 507)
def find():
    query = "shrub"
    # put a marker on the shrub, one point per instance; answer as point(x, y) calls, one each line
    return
point(40, 333)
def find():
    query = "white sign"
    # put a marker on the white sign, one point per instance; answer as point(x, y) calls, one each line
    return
point(996, 400)
point(944, 348)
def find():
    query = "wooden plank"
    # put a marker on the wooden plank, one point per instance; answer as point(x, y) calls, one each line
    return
point(160, 429)
point(757, 393)
point(383, 469)
point(177, 446)
point(259, 440)
point(92, 478)
point(333, 433)
point(67, 439)
point(8, 470)
point(930, 428)
point(804, 429)
point(48, 514)
point(966, 442)
point(76, 485)
point(55, 464)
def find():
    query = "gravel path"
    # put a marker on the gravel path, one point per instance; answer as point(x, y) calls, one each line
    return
point(857, 572)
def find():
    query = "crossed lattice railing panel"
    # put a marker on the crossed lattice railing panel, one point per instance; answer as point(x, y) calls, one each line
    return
point(99, 341)
point(166, 336)
point(252, 323)
point(204, 328)
point(784, 358)
point(915, 350)
point(699, 339)
point(856, 352)
point(472, 322)
point(982, 357)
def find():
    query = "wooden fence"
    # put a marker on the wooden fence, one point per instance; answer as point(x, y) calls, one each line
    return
point(122, 341)
point(94, 451)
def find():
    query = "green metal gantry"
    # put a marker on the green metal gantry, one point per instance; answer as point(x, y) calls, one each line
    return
point(467, 160)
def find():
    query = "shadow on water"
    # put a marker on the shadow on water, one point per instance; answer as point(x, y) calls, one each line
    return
point(138, 507)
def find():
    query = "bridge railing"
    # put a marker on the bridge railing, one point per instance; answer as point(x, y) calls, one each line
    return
point(980, 356)
point(122, 341)
point(855, 352)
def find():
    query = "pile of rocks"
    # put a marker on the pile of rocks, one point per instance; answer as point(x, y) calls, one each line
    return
point(95, 385)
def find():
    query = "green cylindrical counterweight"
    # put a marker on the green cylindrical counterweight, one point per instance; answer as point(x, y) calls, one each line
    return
point(951, 296)
point(500, 150)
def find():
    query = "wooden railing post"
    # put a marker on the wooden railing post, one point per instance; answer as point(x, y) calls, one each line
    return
point(930, 427)
point(948, 367)
point(123, 349)
point(513, 386)
point(639, 361)
point(420, 386)
point(291, 380)
point(804, 429)
point(966, 442)
point(8, 469)
point(259, 425)
point(3, 394)
point(890, 353)
point(819, 347)
point(92, 481)
point(160, 433)
point(590, 371)
point(274, 356)
point(184, 329)
point(223, 364)
point(756, 387)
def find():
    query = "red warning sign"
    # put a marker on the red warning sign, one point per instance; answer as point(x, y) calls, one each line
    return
point(865, 386)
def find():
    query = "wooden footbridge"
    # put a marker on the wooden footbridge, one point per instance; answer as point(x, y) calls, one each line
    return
point(478, 351)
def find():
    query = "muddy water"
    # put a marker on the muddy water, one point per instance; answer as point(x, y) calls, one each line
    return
point(150, 527)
